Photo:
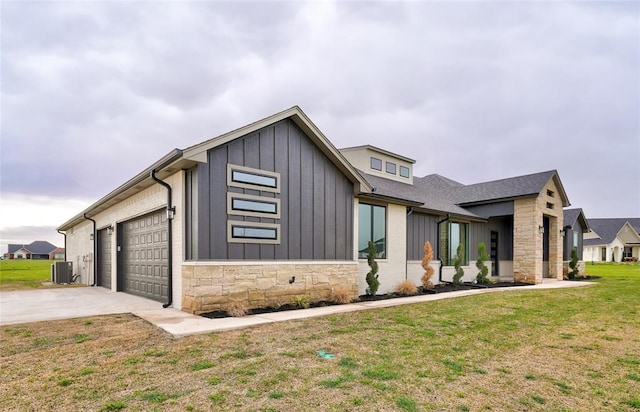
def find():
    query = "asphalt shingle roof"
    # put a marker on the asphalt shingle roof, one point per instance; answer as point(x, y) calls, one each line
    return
point(39, 247)
point(608, 229)
point(438, 193)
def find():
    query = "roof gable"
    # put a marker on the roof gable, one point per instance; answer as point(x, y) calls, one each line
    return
point(510, 188)
point(571, 217)
point(199, 152)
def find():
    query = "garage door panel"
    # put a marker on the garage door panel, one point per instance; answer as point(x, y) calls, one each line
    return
point(146, 260)
point(104, 259)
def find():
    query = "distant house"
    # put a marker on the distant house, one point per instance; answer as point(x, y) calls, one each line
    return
point(575, 227)
point(274, 210)
point(39, 249)
point(613, 240)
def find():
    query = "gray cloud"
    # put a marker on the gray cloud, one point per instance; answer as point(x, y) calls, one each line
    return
point(94, 92)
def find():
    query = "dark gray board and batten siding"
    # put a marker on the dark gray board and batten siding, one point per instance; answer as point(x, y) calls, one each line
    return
point(423, 227)
point(316, 199)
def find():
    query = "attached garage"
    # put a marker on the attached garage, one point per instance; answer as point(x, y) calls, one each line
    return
point(104, 258)
point(144, 256)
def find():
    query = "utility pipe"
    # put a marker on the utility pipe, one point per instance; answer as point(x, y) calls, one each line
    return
point(438, 246)
point(170, 212)
point(95, 251)
point(65, 243)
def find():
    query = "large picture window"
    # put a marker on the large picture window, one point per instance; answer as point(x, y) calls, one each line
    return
point(453, 234)
point(372, 226)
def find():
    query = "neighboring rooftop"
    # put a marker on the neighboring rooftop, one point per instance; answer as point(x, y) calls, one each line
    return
point(608, 228)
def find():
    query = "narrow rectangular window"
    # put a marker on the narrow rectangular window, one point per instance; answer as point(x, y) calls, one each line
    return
point(453, 235)
point(550, 193)
point(240, 204)
point(372, 226)
point(253, 206)
point(391, 168)
point(253, 232)
point(549, 205)
point(376, 164)
point(250, 178)
point(404, 171)
point(238, 176)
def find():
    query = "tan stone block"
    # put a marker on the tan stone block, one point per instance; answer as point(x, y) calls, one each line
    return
point(265, 283)
point(187, 272)
point(207, 290)
point(211, 300)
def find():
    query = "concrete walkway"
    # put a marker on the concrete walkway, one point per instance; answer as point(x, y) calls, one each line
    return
point(67, 303)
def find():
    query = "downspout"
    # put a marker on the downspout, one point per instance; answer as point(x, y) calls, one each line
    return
point(170, 213)
point(65, 243)
point(438, 246)
point(95, 251)
point(406, 258)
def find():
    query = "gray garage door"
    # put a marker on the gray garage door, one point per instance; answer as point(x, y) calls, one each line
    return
point(145, 255)
point(104, 259)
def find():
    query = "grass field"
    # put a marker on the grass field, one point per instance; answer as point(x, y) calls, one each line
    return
point(546, 350)
point(23, 273)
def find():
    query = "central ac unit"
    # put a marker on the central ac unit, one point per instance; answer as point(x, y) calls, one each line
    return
point(62, 272)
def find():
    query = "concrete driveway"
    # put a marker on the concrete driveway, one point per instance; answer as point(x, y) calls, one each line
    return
point(25, 306)
point(66, 303)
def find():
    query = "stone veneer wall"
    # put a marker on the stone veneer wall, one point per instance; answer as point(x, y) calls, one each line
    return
point(528, 216)
point(211, 286)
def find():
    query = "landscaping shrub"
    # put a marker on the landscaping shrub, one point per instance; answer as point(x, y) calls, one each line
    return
point(372, 277)
point(428, 270)
point(301, 301)
point(457, 263)
point(573, 264)
point(483, 273)
point(341, 295)
point(406, 287)
point(237, 309)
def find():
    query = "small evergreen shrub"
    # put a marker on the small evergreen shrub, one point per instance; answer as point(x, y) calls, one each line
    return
point(458, 260)
point(341, 295)
point(406, 287)
point(372, 277)
point(428, 270)
point(301, 301)
point(573, 264)
point(482, 267)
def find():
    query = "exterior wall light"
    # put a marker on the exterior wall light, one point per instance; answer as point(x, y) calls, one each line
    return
point(110, 230)
point(541, 229)
point(91, 236)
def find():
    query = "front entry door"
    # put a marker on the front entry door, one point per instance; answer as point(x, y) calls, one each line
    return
point(493, 251)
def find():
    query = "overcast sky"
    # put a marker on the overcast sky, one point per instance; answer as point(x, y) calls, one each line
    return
point(94, 92)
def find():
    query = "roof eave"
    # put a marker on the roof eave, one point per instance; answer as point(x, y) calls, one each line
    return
point(164, 167)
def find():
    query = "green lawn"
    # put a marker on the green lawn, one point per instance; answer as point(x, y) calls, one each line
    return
point(23, 273)
point(519, 350)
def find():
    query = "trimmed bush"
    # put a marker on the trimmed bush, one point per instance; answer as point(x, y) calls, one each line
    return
point(428, 270)
point(458, 260)
point(482, 267)
point(237, 309)
point(573, 264)
point(372, 277)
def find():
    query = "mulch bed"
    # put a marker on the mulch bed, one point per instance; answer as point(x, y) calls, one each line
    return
point(440, 288)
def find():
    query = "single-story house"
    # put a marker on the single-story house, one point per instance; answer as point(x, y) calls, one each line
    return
point(40, 249)
point(613, 240)
point(274, 210)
